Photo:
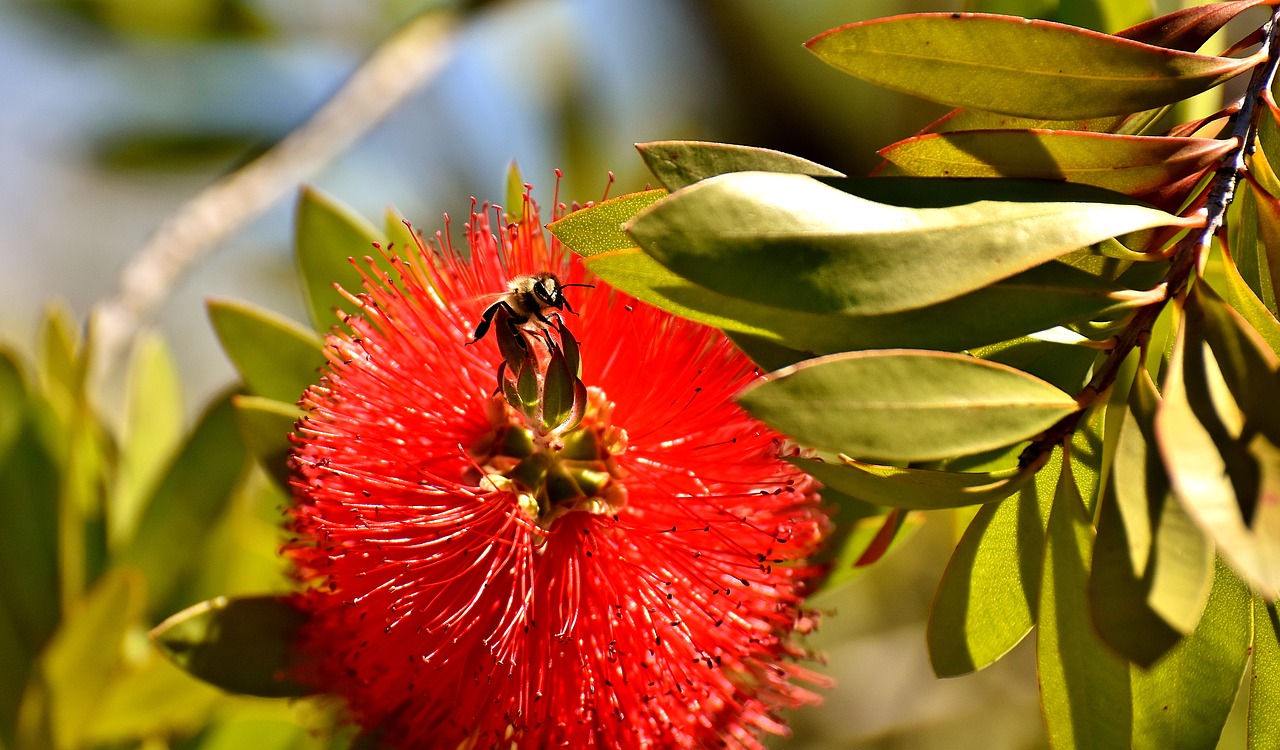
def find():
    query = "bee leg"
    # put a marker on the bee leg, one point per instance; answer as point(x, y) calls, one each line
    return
point(486, 320)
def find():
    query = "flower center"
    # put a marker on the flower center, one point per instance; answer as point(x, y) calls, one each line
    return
point(577, 471)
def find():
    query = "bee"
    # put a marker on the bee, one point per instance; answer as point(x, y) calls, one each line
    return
point(528, 296)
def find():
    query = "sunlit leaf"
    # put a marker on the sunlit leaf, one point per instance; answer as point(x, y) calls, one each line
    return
point(80, 661)
point(1244, 301)
point(918, 489)
point(1084, 688)
point(1063, 365)
point(265, 426)
point(153, 426)
point(1188, 29)
point(1267, 251)
point(515, 193)
point(986, 601)
point(1264, 689)
point(1219, 471)
point(276, 357)
point(326, 234)
point(1021, 67)
point(1183, 701)
point(598, 229)
point(813, 248)
point(399, 234)
point(1245, 242)
point(195, 490)
point(154, 698)
point(1152, 567)
point(241, 645)
point(678, 164)
point(1034, 300)
point(13, 394)
point(900, 405)
point(1125, 163)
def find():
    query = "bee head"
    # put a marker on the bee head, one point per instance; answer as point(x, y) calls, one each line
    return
point(548, 291)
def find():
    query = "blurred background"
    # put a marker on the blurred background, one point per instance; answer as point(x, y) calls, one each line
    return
point(116, 113)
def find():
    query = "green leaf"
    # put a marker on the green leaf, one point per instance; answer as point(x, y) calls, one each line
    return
point(13, 394)
point(326, 235)
point(153, 426)
point(265, 426)
point(793, 242)
point(276, 357)
point(400, 235)
point(1266, 253)
point(915, 489)
point(195, 490)
point(1084, 688)
point(57, 361)
point(679, 164)
point(1066, 366)
point(29, 577)
point(597, 229)
point(1019, 67)
point(901, 405)
point(1034, 300)
point(1183, 701)
point(515, 193)
point(242, 645)
point(1188, 28)
point(80, 661)
point(153, 698)
point(29, 584)
point(1125, 163)
point(1244, 301)
point(986, 599)
point(1219, 469)
point(1264, 688)
point(1152, 567)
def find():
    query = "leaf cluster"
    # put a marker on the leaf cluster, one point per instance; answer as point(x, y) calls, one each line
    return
point(1050, 306)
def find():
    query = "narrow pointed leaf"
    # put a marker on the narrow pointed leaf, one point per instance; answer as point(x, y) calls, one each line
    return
point(277, 358)
point(598, 229)
point(153, 426)
point(1244, 301)
point(400, 235)
point(81, 660)
point(326, 235)
point(1189, 28)
point(1183, 701)
point(915, 489)
point(679, 164)
point(1034, 300)
point(900, 405)
point(1118, 596)
point(986, 600)
point(515, 193)
point(1084, 687)
point(1218, 476)
point(1268, 247)
point(1125, 163)
point(793, 242)
point(13, 394)
point(265, 426)
point(1264, 688)
point(196, 488)
point(1020, 67)
point(1152, 566)
point(241, 645)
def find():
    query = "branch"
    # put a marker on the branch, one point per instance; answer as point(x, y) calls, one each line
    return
point(1190, 252)
point(397, 68)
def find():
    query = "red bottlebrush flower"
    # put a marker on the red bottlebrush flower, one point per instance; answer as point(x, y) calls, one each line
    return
point(635, 581)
